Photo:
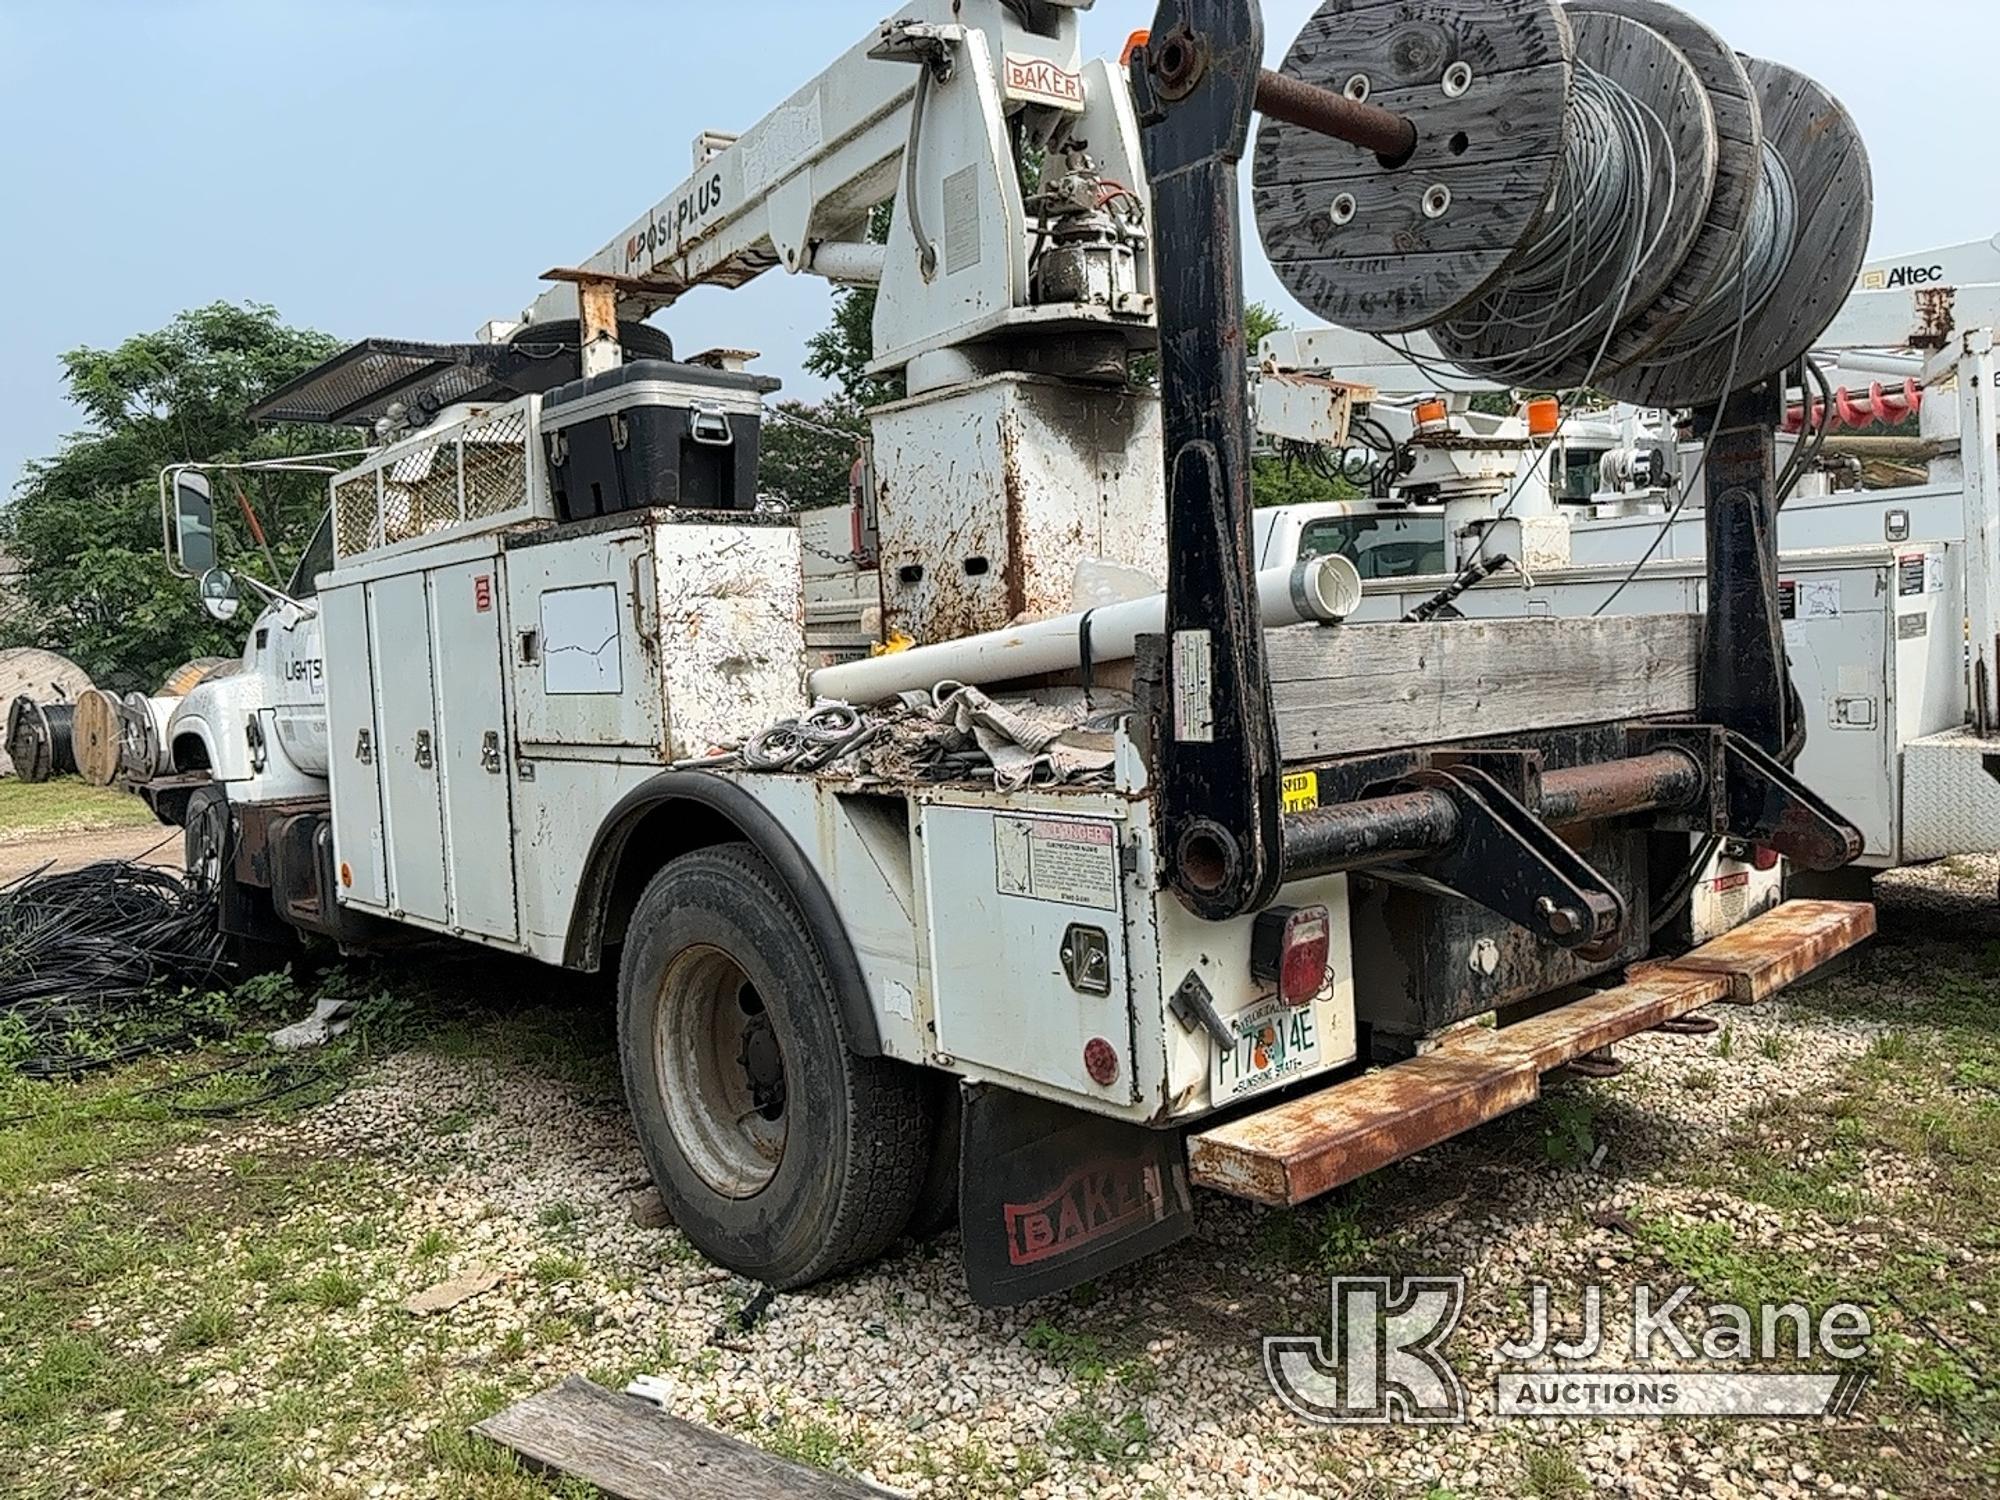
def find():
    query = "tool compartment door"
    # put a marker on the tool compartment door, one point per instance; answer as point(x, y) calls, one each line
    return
point(472, 747)
point(400, 637)
point(1008, 895)
point(353, 749)
point(584, 621)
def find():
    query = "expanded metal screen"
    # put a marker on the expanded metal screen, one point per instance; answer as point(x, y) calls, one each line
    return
point(357, 513)
point(420, 493)
point(478, 471)
point(496, 464)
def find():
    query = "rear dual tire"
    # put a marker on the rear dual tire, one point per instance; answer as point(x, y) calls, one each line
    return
point(780, 1153)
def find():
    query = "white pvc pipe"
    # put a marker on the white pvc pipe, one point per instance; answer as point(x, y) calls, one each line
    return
point(849, 263)
point(1322, 590)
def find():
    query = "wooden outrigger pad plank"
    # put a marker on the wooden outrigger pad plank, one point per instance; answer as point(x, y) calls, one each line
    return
point(1763, 956)
point(632, 1451)
point(1297, 1150)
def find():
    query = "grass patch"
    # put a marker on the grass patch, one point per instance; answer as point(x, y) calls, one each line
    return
point(1089, 1432)
point(208, 1325)
point(1551, 1474)
point(330, 1291)
point(1329, 1240)
point(68, 805)
point(553, 1269)
point(810, 1441)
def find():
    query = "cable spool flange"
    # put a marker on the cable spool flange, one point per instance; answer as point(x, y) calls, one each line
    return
point(1810, 137)
point(1388, 248)
point(1648, 151)
point(1718, 242)
point(97, 736)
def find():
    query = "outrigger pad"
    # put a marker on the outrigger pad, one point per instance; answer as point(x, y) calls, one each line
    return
point(1050, 1196)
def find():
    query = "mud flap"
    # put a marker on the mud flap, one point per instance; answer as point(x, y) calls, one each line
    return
point(1050, 1196)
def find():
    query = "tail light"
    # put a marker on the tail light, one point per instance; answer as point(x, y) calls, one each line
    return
point(1764, 857)
point(1292, 947)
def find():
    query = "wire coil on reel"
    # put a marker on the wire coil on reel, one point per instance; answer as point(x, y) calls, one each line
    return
point(1600, 193)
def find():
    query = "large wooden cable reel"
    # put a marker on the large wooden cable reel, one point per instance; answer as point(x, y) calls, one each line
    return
point(1599, 193)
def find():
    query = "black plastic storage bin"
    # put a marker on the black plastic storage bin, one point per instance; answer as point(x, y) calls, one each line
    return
point(654, 432)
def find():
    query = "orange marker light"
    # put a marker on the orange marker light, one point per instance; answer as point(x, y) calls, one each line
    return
point(1136, 42)
point(1431, 413)
point(1545, 415)
point(346, 875)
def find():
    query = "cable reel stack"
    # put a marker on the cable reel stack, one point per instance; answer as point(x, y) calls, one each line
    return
point(1600, 193)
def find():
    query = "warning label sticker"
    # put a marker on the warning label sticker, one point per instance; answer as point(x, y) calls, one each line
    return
point(1194, 691)
point(1069, 860)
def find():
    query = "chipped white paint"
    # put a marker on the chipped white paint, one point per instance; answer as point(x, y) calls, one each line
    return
point(731, 623)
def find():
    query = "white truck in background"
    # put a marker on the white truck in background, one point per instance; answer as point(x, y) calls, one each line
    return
point(1883, 587)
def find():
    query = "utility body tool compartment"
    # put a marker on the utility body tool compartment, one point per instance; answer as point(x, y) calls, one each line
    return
point(654, 433)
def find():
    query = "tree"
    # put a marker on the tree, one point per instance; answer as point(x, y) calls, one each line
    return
point(83, 526)
point(810, 447)
point(809, 451)
point(841, 352)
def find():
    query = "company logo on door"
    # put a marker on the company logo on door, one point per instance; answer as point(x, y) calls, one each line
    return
point(1039, 81)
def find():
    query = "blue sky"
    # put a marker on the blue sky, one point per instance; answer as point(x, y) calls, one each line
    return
point(411, 169)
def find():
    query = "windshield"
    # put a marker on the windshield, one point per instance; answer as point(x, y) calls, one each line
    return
point(318, 559)
point(1573, 472)
point(1380, 546)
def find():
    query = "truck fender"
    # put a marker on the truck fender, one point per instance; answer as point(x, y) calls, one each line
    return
point(182, 728)
point(706, 810)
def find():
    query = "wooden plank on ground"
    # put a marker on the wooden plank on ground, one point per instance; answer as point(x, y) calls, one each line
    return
point(631, 1450)
point(1348, 689)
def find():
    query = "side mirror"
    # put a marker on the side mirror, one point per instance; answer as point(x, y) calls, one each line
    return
point(218, 592)
point(194, 530)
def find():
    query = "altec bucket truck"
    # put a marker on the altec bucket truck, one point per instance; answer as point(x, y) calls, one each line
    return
point(1241, 953)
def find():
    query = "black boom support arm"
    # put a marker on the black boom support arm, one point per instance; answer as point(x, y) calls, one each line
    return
point(1196, 84)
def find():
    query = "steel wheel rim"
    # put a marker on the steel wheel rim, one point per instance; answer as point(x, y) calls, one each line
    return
point(722, 1072)
point(204, 867)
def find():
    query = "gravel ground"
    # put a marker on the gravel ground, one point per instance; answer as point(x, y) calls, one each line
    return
point(1149, 1386)
point(146, 843)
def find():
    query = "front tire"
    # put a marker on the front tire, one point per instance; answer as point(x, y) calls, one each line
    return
point(779, 1153)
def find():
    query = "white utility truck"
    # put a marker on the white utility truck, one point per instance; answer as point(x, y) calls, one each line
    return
point(1881, 587)
point(1101, 904)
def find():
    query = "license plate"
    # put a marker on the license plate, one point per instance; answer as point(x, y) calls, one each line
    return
point(1274, 1042)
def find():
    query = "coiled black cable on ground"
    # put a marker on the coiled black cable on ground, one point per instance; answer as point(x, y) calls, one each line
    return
point(89, 955)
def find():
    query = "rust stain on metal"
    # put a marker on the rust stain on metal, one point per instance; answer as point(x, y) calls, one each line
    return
point(1935, 317)
point(1015, 494)
point(1312, 1145)
point(1784, 945)
point(1620, 788)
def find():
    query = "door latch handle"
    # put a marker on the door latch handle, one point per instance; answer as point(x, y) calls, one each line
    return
point(424, 757)
point(364, 747)
point(489, 752)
